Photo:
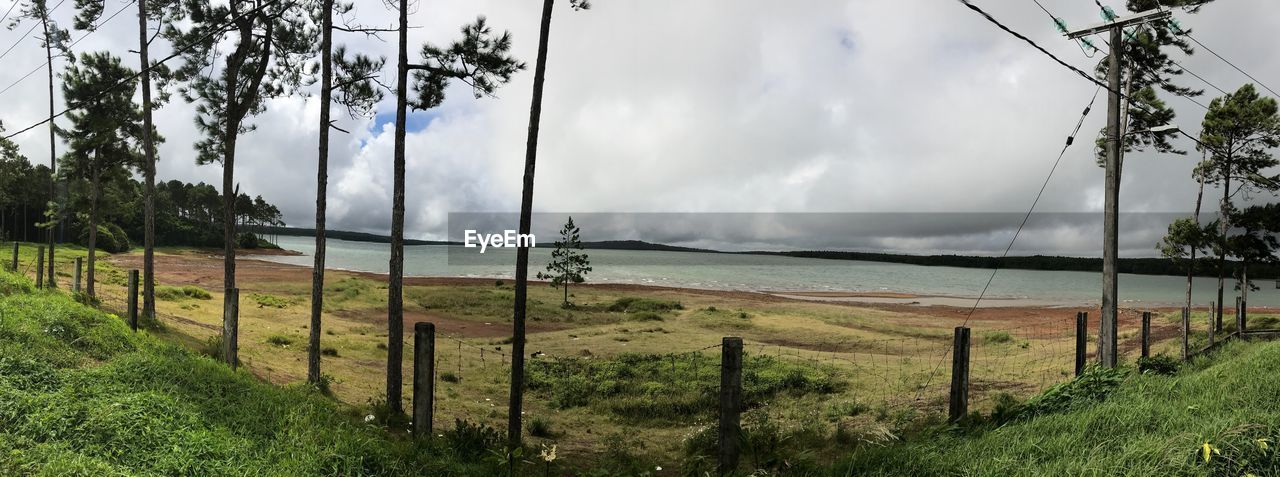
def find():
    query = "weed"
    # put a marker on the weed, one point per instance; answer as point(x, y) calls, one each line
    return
point(449, 377)
point(1158, 364)
point(279, 340)
point(996, 337)
point(634, 304)
point(539, 427)
point(329, 351)
point(270, 301)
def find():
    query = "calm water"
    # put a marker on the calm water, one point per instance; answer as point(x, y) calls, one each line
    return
point(770, 273)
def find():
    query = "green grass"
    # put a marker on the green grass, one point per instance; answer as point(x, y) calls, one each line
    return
point(1147, 424)
point(172, 293)
point(82, 395)
point(657, 387)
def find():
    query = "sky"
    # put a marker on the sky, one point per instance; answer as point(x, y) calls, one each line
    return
point(665, 106)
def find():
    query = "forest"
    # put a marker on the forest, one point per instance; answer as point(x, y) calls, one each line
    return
point(186, 214)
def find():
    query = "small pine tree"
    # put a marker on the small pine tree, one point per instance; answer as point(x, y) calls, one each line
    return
point(568, 263)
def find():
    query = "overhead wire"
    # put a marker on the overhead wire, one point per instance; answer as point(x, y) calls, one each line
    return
point(74, 43)
point(149, 68)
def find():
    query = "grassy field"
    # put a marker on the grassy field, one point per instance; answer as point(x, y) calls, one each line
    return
point(1218, 416)
point(82, 395)
point(624, 379)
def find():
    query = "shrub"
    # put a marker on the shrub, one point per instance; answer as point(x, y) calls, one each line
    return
point(634, 304)
point(329, 351)
point(279, 340)
point(1158, 364)
point(471, 440)
point(247, 240)
point(270, 301)
point(111, 238)
point(539, 427)
point(996, 337)
point(171, 293)
point(449, 377)
point(1093, 385)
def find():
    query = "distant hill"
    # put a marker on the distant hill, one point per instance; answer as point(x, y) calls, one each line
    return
point(346, 235)
point(375, 238)
point(1140, 266)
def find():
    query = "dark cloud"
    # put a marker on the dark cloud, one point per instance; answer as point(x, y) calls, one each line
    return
point(713, 107)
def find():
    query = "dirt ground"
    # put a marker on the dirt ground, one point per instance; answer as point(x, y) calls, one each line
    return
point(205, 268)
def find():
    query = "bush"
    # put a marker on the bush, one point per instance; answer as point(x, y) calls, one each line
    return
point(539, 427)
point(270, 301)
point(996, 337)
point(472, 440)
point(633, 304)
point(1093, 385)
point(172, 293)
point(247, 240)
point(329, 351)
point(279, 340)
point(111, 238)
point(449, 377)
point(1158, 364)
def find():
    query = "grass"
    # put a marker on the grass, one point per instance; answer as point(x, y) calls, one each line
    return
point(82, 395)
point(647, 387)
point(172, 293)
point(1145, 424)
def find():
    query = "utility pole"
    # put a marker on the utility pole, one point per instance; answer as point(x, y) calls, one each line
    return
point(1107, 330)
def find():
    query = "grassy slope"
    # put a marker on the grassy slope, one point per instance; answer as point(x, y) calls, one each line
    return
point(81, 395)
point(1151, 425)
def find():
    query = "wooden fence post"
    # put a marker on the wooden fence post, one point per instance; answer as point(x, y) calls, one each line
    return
point(1240, 317)
point(1211, 313)
point(1146, 334)
point(133, 300)
point(40, 267)
point(1244, 316)
point(1216, 324)
point(730, 404)
point(231, 327)
point(79, 266)
point(1082, 339)
point(424, 378)
point(959, 376)
point(15, 259)
point(1186, 333)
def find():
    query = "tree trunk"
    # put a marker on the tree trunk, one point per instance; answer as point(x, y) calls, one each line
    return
point(1191, 269)
point(395, 304)
point(1223, 225)
point(149, 173)
point(95, 183)
point(53, 156)
point(322, 187)
point(522, 253)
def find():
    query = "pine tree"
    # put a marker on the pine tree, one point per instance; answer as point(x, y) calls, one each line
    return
point(568, 263)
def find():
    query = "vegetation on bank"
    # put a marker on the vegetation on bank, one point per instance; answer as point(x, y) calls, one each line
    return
point(82, 395)
point(1113, 423)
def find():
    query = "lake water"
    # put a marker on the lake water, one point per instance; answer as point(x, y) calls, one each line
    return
point(776, 274)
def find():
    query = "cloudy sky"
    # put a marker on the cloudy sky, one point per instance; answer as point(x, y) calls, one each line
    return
point(726, 106)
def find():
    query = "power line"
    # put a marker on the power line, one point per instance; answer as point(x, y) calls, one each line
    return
point(74, 43)
point(149, 68)
point(29, 30)
point(1233, 65)
point(10, 10)
point(1220, 57)
point(1035, 45)
point(1070, 139)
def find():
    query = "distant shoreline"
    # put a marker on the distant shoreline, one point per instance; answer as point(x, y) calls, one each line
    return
point(1135, 266)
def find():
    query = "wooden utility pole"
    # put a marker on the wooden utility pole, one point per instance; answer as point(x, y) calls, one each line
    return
point(1107, 330)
